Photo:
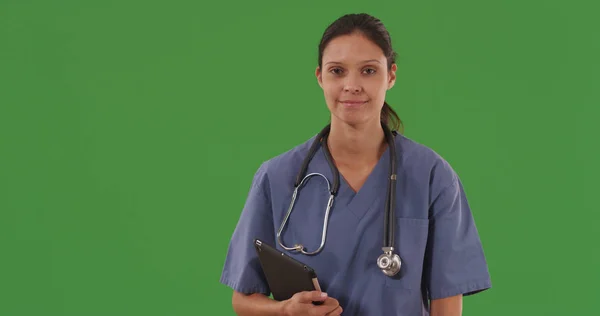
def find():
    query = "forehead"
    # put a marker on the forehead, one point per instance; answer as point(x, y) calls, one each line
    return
point(351, 49)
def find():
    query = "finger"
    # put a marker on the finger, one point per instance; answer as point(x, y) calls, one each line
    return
point(326, 310)
point(329, 305)
point(311, 296)
point(335, 312)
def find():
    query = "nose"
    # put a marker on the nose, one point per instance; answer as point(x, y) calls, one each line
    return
point(352, 89)
point(352, 85)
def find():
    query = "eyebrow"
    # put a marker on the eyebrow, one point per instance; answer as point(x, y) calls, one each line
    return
point(363, 62)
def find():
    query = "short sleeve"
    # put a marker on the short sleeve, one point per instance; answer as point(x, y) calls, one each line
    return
point(242, 271)
point(455, 261)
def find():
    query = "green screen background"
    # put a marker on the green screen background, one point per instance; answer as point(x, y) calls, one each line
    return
point(130, 132)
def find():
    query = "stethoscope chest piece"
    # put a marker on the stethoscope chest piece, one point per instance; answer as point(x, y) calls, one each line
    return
point(389, 262)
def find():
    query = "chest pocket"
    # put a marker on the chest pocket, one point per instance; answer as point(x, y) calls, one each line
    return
point(411, 242)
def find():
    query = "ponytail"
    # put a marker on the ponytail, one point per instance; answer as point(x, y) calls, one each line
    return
point(389, 117)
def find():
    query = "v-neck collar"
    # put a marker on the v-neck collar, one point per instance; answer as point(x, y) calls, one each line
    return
point(371, 192)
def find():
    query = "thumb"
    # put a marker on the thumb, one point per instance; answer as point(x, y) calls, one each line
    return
point(311, 296)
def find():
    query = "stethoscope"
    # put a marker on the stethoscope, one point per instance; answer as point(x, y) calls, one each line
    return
point(388, 262)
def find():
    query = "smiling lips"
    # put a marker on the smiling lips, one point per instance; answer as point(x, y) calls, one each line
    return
point(352, 103)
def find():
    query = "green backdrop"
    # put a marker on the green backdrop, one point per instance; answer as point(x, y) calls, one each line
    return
point(130, 131)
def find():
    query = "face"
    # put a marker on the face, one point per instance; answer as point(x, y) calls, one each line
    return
point(355, 79)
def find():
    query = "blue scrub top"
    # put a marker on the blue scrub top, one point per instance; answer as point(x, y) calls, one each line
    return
point(436, 236)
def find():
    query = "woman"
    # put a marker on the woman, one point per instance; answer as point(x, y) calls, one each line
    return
point(433, 229)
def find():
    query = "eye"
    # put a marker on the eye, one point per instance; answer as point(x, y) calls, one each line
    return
point(336, 71)
point(370, 71)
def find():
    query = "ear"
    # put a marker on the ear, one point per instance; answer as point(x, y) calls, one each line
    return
point(319, 76)
point(392, 76)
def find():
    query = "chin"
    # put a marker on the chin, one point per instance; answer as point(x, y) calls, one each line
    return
point(352, 119)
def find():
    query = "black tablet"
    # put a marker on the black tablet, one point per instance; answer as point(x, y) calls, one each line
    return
point(286, 276)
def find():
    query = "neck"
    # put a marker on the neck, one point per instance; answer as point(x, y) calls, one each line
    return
point(356, 145)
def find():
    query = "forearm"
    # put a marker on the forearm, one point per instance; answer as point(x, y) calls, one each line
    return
point(449, 306)
point(256, 304)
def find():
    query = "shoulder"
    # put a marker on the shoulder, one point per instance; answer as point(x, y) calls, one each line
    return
point(290, 160)
point(422, 163)
point(284, 166)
